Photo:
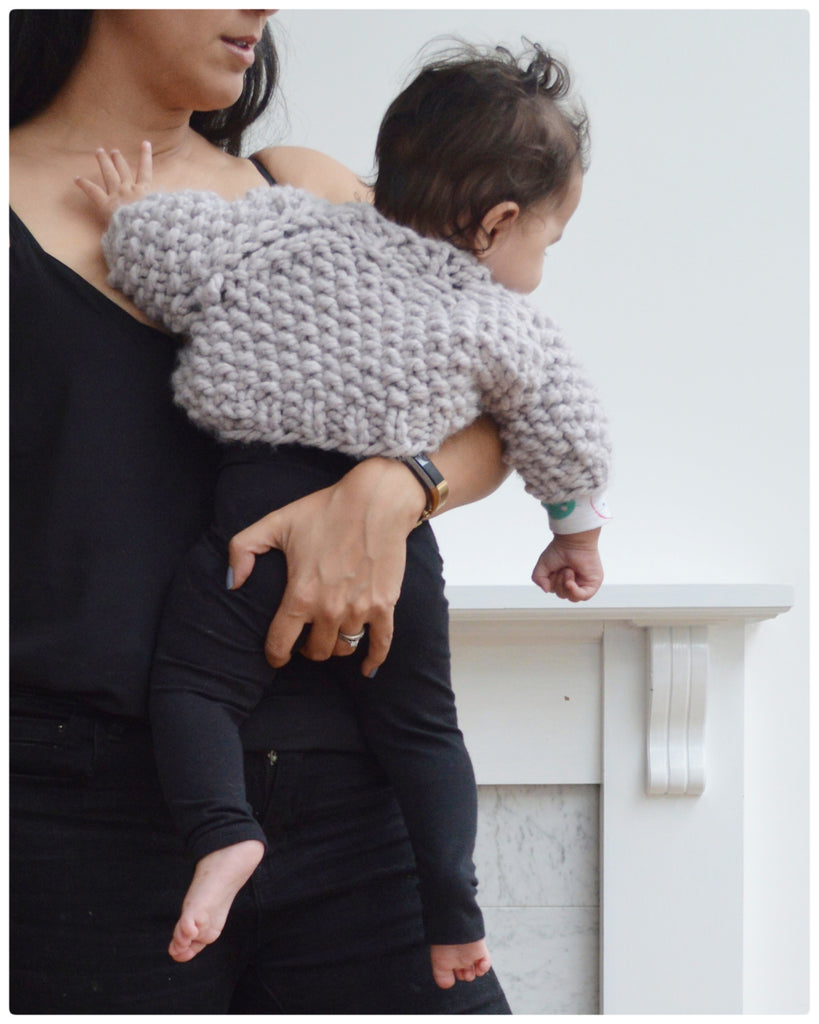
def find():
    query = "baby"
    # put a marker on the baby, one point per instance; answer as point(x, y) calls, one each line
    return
point(362, 330)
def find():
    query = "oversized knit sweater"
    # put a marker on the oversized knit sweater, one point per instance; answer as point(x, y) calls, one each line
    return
point(330, 326)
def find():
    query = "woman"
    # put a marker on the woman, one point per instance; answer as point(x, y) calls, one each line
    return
point(110, 485)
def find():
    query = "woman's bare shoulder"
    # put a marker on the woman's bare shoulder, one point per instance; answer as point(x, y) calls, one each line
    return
point(316, 172)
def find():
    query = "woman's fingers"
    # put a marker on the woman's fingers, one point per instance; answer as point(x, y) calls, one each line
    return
point(348, 638)
point(321, 641)
point(285, 635)
point(379, 640)
point(345, 547)
point(291, 629)
point(256, 539)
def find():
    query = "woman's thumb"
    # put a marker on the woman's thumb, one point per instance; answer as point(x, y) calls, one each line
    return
point(256, 539)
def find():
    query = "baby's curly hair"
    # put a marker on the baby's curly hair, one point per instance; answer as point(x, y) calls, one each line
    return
point(476, 127)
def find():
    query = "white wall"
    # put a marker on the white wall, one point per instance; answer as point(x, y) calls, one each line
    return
point(682, 283)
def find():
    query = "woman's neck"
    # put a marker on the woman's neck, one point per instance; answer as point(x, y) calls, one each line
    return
point(102, 106)
point(71, 125)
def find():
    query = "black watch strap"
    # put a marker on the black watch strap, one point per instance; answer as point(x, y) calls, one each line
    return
point(432, 480)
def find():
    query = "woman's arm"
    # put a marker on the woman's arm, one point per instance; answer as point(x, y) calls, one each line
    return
point(345, 546)
point(315, 172)
point(472, 463)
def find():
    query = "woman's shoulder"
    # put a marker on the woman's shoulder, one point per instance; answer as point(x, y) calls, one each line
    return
point(315, 172)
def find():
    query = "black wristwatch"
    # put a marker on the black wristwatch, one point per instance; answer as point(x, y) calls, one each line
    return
point(432, 480)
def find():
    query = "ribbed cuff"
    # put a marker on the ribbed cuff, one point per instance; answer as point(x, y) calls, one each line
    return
point(586, 513)
point(217, 839)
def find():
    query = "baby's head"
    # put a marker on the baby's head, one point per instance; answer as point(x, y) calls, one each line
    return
point(483, 149)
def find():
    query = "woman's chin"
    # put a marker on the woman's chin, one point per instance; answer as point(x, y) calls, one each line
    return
point(218, 97)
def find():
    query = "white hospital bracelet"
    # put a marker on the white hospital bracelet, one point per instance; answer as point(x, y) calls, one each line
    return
point(576, 516)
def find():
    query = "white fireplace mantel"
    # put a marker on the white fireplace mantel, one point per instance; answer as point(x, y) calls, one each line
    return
point(640, 604)
point(640, 691)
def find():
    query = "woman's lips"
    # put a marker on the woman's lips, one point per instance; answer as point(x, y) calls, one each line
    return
point(242, 47)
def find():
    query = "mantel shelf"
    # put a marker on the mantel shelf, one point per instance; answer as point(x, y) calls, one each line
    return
point(639, 604)
point(674, 620)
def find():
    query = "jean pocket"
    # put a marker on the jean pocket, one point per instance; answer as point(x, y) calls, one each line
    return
point(51, 747)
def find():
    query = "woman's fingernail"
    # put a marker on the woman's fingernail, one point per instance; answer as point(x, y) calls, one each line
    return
point(229, 578)
point(371, 675)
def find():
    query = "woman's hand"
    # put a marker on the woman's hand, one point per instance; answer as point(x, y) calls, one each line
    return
point(570, 567)
point(120, 185)
point(346, 551)
point(346, 546)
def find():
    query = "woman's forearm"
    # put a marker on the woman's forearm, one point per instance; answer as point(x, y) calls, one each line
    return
point(471, 462)
point(345, 546)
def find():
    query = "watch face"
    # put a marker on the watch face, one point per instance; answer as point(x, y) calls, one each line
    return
point(432, 481)
point(430, 469)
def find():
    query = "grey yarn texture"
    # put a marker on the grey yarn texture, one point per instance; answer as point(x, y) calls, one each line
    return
point(328, 325)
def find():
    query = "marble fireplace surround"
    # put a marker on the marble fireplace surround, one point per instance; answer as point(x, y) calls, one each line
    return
point(641, 693)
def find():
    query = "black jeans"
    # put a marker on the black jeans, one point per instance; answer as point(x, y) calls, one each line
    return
point(329, 923)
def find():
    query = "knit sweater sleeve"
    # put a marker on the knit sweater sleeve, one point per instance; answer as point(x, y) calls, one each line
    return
point(552, 426)
point(170, 251)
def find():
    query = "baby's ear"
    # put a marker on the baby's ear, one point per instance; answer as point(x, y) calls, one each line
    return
point(495, 224)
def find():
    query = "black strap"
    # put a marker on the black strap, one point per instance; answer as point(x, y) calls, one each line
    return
point(260, 167)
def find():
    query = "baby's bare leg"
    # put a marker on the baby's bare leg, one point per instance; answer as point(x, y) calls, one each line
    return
point(459, 963)
point(216, 880)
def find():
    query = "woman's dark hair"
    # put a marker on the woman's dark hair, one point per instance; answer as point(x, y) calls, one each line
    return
point(474, 128)
point(45, 46)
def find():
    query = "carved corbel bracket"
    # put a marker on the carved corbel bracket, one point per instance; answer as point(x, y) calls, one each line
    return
point(678, 679)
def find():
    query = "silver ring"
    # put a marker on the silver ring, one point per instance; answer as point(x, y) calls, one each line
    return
point(352, 639)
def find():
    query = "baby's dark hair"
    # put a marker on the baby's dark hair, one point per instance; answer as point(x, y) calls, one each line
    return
point(474, 128)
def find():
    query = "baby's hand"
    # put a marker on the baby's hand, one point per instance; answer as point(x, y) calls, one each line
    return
point(120, 185)
point(570, 567)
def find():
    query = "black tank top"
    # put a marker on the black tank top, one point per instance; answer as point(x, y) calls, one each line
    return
point(110, 484)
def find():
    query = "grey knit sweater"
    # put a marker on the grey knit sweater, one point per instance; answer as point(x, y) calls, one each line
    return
point(328, 325)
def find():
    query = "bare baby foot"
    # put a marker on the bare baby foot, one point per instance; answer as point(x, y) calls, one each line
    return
point(216, 880)
point(459, 963)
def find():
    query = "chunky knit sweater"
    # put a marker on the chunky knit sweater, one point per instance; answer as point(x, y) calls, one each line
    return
point(328, 325)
